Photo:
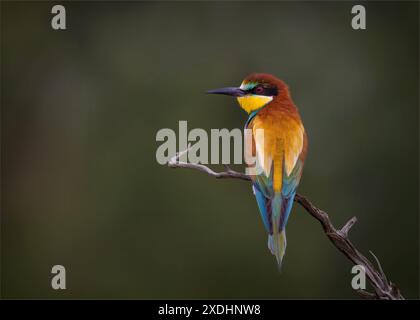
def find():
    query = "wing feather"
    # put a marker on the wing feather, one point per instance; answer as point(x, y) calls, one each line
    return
point(279, 154)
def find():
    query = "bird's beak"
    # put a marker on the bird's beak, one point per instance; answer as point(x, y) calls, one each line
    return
point(230, 91)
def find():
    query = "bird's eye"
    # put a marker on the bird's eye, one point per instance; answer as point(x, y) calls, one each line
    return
point(259, 90)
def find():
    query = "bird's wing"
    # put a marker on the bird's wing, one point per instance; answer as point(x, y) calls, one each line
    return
point(290, 184)
point(279, 157)
point(277, 151)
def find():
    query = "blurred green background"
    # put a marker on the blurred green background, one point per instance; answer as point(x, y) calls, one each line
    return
point(81, 187)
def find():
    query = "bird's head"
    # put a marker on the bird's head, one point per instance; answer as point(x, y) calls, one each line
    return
point(256, 91)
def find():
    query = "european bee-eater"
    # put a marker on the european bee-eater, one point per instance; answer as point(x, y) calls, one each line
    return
point(268, 102)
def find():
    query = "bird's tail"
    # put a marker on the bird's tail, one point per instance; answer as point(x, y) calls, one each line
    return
point(277, 244)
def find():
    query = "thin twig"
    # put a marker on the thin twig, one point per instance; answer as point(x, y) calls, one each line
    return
point(384, 289)
point(379, 265)
point(229, 173)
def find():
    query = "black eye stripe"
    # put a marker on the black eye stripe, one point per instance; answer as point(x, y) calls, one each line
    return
point(267, 91)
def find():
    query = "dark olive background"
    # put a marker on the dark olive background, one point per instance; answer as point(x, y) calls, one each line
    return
point(81, 186)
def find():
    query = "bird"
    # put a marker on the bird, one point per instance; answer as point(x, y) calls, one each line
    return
point(281, 152)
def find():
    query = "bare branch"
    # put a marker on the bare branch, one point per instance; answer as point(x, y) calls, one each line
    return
point(366, 295)
point(346, 228)
point(384, 289)
point(175, 163)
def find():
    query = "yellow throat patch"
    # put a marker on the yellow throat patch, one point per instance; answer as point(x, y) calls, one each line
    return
point(253, 102)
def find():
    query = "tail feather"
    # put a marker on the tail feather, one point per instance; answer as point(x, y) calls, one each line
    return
point(277, 244)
